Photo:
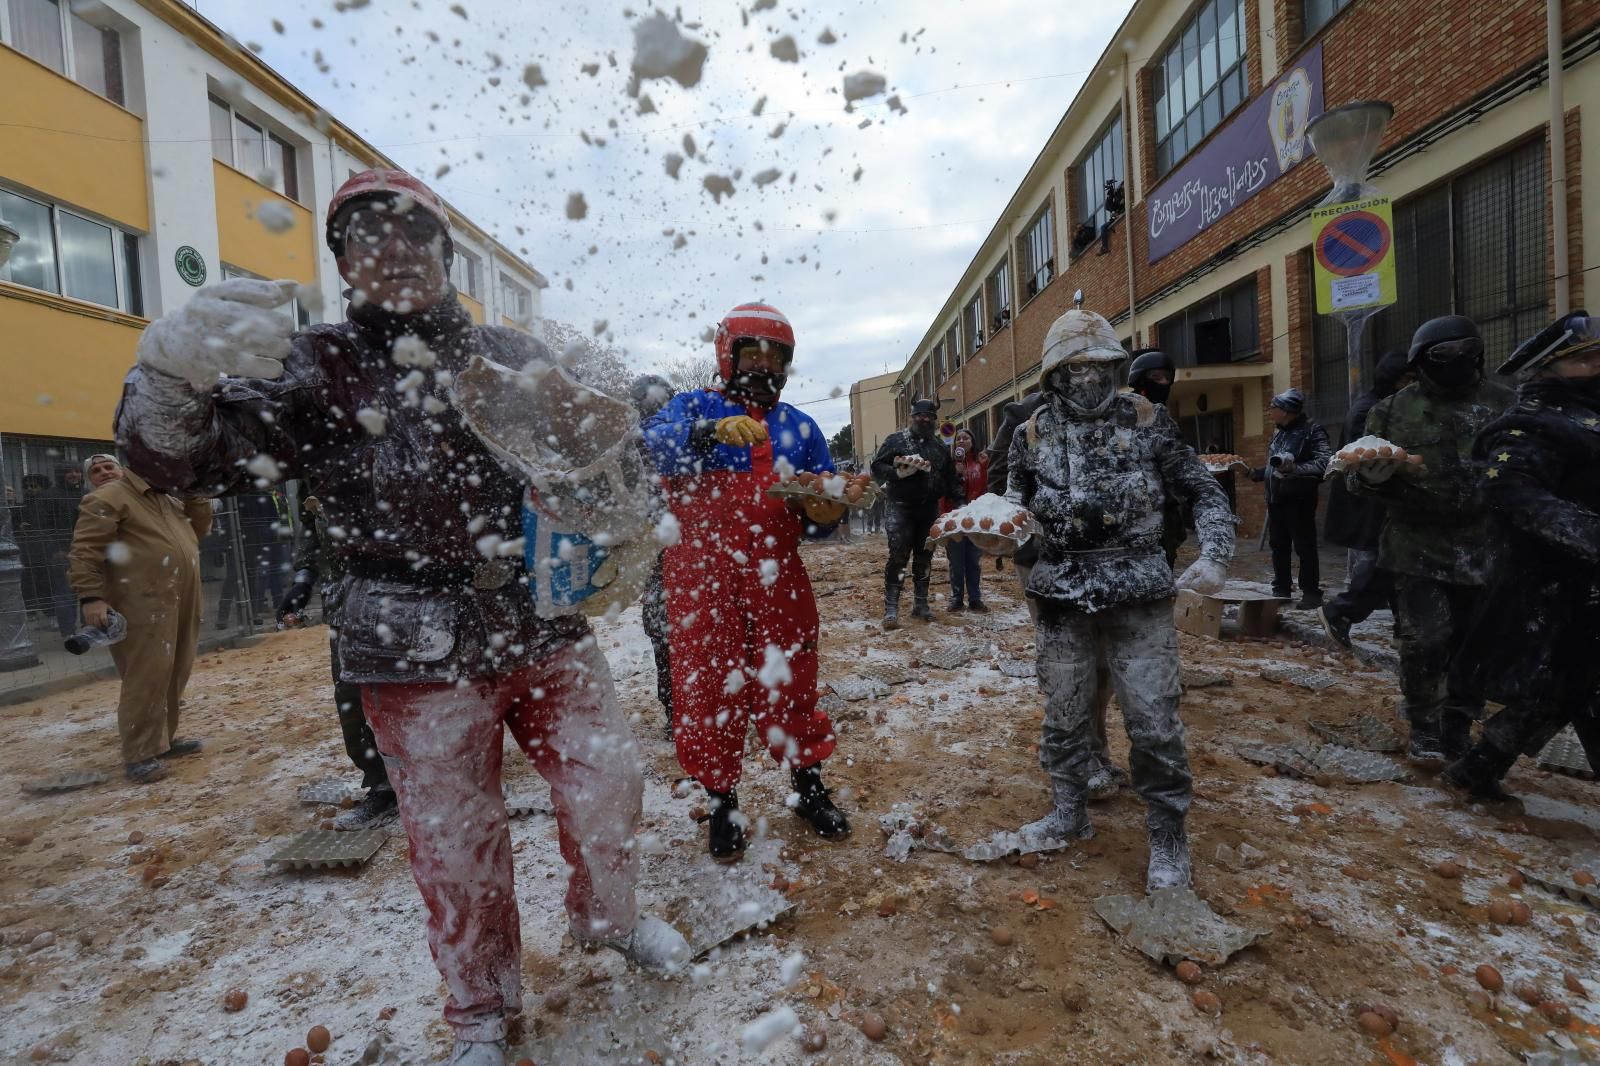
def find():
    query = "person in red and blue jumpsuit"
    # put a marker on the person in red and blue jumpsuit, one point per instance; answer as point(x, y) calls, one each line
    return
point(742, 617)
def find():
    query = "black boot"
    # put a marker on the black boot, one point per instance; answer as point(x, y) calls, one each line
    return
point(726, 825)
point(919, 606)
point(1476, 776)
point(1336, 625)
point(1455, 734)
point(378, 809)
point(891, 606)
point(1426, 749)
point(815, 806)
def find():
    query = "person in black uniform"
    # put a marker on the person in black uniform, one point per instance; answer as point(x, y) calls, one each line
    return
point(917, 468)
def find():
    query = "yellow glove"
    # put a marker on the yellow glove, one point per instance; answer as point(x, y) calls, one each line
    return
point(741, 431)
point(823, 512)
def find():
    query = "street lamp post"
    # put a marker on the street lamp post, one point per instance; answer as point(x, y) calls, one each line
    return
point(16, 649)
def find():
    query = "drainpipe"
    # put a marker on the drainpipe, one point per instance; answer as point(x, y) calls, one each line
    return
point(1128, 163)
point(1558, 156)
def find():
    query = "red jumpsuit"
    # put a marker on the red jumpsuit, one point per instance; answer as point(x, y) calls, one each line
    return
point(742, 617)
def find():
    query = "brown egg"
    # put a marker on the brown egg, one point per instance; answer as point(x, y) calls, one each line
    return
point(806, 477)
point(152, 871)
point(318, 1039)
point(1373, 1023)
point(1574, 984)
point(1556, 1012)
point(1028, 861)
point(949, 525)
point(136, 837)
point(813, 1038)
point(1500, 911)
point(298, 1057)
point(40, 1052)
point(873, 1027)
point(1479, 998)
point(1515, 881)
point(853, 493)
point(985, 523)
point(1000, 935)
point(968, 522)
point(1206, 1002)
point(1369, 453)
point(1583, 878)
point(1490, 978)
point(1529, 993)
point(1386, 1012)
point(1386, 452)
point(235, 999)
point(1007, 528)
point(1189, 972)
point(934, 532)
point(1521, 913)
point(1450, 871)
point(1414, 460)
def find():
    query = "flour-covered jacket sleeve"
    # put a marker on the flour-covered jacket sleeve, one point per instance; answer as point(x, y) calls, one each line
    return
point(1019, 468)
point(681, 436)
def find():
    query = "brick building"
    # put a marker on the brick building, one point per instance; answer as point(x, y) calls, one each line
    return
point(1196, 111)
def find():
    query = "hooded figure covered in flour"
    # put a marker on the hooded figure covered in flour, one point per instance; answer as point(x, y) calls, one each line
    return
point(1096, 468)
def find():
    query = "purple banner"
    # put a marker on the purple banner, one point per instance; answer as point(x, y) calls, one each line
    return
point(1252, 150)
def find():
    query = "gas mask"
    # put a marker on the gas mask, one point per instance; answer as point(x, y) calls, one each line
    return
point(1086, 389)
point(1453, 367)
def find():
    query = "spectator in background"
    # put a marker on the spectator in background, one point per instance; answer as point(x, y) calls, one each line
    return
point(1296, 460)
point(33, 536)
point(1354, 522)
point(136, 550)
point(966, 561)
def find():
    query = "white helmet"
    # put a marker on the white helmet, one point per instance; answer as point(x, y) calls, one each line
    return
point(1080, 337)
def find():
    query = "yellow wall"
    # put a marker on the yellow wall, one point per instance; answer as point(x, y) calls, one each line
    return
point(245, 243)
point(474, 308)
point(99, 169)
point(63, 366)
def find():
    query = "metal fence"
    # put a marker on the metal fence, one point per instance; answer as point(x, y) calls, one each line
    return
point(244, 564)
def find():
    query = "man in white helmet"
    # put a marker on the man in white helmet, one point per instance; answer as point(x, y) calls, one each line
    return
point(1096, 469)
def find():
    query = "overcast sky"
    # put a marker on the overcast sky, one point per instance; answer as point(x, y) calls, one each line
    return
point(875, 215)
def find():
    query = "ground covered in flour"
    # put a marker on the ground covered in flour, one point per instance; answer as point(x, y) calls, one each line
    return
point(127, 915)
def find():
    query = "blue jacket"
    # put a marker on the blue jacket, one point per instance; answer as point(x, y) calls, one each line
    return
point(680, 450)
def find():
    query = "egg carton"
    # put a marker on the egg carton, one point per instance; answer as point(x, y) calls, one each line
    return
point(1565, 754)
point(947, 656)
point(858, 688)
point(908, 830)
point(1290, 674)
point(718, 903)
point(1560, 885)
point(70, 781)
point(1307, 760)
point(888, 673)
point(1202, 677)
point(1008, 842)
point(332, 791)
point(1173, 924)
point(1018, 667)
point(328, 849)
point(793, 490)
point(1364, 733)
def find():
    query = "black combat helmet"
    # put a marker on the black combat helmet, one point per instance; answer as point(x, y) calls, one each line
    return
point(1146, 360)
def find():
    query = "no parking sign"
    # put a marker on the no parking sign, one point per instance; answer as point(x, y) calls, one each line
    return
point(1353, 245)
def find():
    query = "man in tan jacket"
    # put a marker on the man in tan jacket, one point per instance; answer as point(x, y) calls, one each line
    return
point(136, 550)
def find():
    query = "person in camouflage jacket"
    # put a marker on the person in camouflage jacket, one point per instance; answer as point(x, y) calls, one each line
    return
point(1435, 535)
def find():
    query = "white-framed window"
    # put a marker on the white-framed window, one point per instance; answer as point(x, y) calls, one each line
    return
point(70, 254)
point(245, 146)
point(997, 290)
point(972, 324)
point(1100, 165)
point(59, 35)
point(1199, 80)
point(293, 310)
point(516, 299)
point(1038, 250)
point(466, 273)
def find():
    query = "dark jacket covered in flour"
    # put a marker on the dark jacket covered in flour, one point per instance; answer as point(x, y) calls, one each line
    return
point(406, 499)
point(1534, 637)
point(1098, 488)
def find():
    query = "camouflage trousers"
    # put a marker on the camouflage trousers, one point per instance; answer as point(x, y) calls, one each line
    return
point(1431, 619)
point(1138, 644)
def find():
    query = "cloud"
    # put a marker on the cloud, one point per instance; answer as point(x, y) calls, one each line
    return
point(858, 240)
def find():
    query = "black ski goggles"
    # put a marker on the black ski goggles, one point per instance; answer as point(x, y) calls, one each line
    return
point(1450, 351)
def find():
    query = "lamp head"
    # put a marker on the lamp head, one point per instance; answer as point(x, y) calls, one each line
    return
point(1346, 138)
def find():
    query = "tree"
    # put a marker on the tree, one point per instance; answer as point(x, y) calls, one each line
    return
point(689, 372)
point(842, 444)
point(595, 361)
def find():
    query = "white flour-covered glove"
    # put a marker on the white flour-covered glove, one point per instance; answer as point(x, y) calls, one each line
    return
point(1204, 576)
point(228, 328)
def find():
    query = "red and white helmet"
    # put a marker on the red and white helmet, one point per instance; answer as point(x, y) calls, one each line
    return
point(373, 184)
point(752, 321)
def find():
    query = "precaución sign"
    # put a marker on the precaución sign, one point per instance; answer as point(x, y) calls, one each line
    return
point(1354, 248)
